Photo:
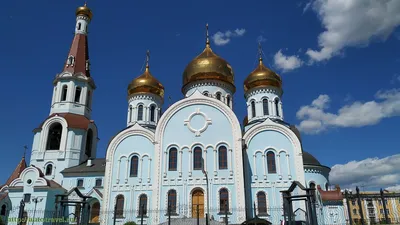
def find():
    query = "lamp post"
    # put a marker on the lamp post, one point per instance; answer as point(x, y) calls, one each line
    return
point(35, 200)
point(208, 194)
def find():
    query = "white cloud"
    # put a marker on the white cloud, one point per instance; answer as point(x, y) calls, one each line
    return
point(261, 39)
point(287, 63)
point(394, 188)
point(370, 173)
point(315, 119)
point(352, 23)
point(223, 38)
point(395, 78)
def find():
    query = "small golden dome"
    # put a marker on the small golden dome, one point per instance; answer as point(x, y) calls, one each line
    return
point(146, 83)
point(208, 66)
point(262, 77)
point(84, 10)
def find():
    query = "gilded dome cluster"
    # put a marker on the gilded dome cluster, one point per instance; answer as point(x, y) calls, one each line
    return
point(208, 66)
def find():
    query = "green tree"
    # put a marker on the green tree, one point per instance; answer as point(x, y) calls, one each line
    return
point(1, 221)
point(130, 223)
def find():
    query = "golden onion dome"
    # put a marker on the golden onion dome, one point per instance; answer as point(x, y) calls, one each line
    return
point(208, 66)
point(262, 77)
point(146, 83)
point(84, 10)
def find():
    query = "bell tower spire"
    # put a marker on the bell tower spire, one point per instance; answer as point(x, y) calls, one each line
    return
point(73, 87)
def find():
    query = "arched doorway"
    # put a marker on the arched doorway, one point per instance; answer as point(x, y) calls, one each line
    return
point(95, 212)
point(198, 203)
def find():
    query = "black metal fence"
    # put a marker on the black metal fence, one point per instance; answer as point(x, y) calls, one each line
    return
point(185, 214)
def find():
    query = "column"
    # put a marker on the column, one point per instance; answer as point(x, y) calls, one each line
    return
point(146, 114)
point(288, 167)
point(149, 173)
point(270, 107)
point(127, 169)
point(264, 167)
point(205, 159)
point(134, 114)
point(190, 162)
point(165, 163)
point(118, 171)
point(231, 161)
point(180, 160)
point(255, 166)
point(278, 159)
point(249, 111)
point(140, 170)
point(215, 162)
point(281, 109)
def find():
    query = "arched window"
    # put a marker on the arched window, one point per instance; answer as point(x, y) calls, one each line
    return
point(3, 210)
point(79, 26)
point(262, 202)
point(253, 109)
point(355, 211)
point(218, 95)
point(143, 205)
point(277, 107)
point(64, 93)
point(222, 158)
point(134, 166)
point(172, 201)
point(140, 113)
point(88, 97)
point(49, 170)
point(271, 162)
point(152, 113)
point(54, 137)
point(173, 159)
point(89, 143)
point(130, 114)
point(205, 93)
point(119, 212)
point(265, 107)
point(197, 158)
point(223, 200)
point(95, 213)
point(78, 91)
point(228, 101)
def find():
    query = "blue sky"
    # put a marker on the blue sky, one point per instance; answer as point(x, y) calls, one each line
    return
point(354, 79)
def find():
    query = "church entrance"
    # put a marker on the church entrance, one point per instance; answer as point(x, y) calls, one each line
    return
point(198, 203)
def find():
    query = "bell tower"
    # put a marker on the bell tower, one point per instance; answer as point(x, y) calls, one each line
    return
point(68, 136)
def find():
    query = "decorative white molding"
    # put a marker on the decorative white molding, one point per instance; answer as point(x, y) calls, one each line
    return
point(207, 122)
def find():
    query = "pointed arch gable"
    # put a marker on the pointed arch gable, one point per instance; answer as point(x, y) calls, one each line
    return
point(285, 131)
point(136, 129)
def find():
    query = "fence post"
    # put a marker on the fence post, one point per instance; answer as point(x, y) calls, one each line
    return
point(115, 214)
point(198, 215)
point(169, 214)
point(226, 214)
point(141, 214)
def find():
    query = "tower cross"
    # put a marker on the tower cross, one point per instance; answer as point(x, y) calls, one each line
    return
point(25, 148)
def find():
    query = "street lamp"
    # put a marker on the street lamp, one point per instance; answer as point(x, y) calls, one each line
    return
point(35, 200)
point(208, 193)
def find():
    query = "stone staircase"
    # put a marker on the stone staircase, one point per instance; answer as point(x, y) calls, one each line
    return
point(191, 221)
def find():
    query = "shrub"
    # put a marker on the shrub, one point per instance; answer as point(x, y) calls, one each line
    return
point(130, 223)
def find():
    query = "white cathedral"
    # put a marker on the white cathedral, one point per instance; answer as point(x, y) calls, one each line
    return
point(191, 160)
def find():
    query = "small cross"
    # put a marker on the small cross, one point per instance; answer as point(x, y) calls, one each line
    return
point(25, 148)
